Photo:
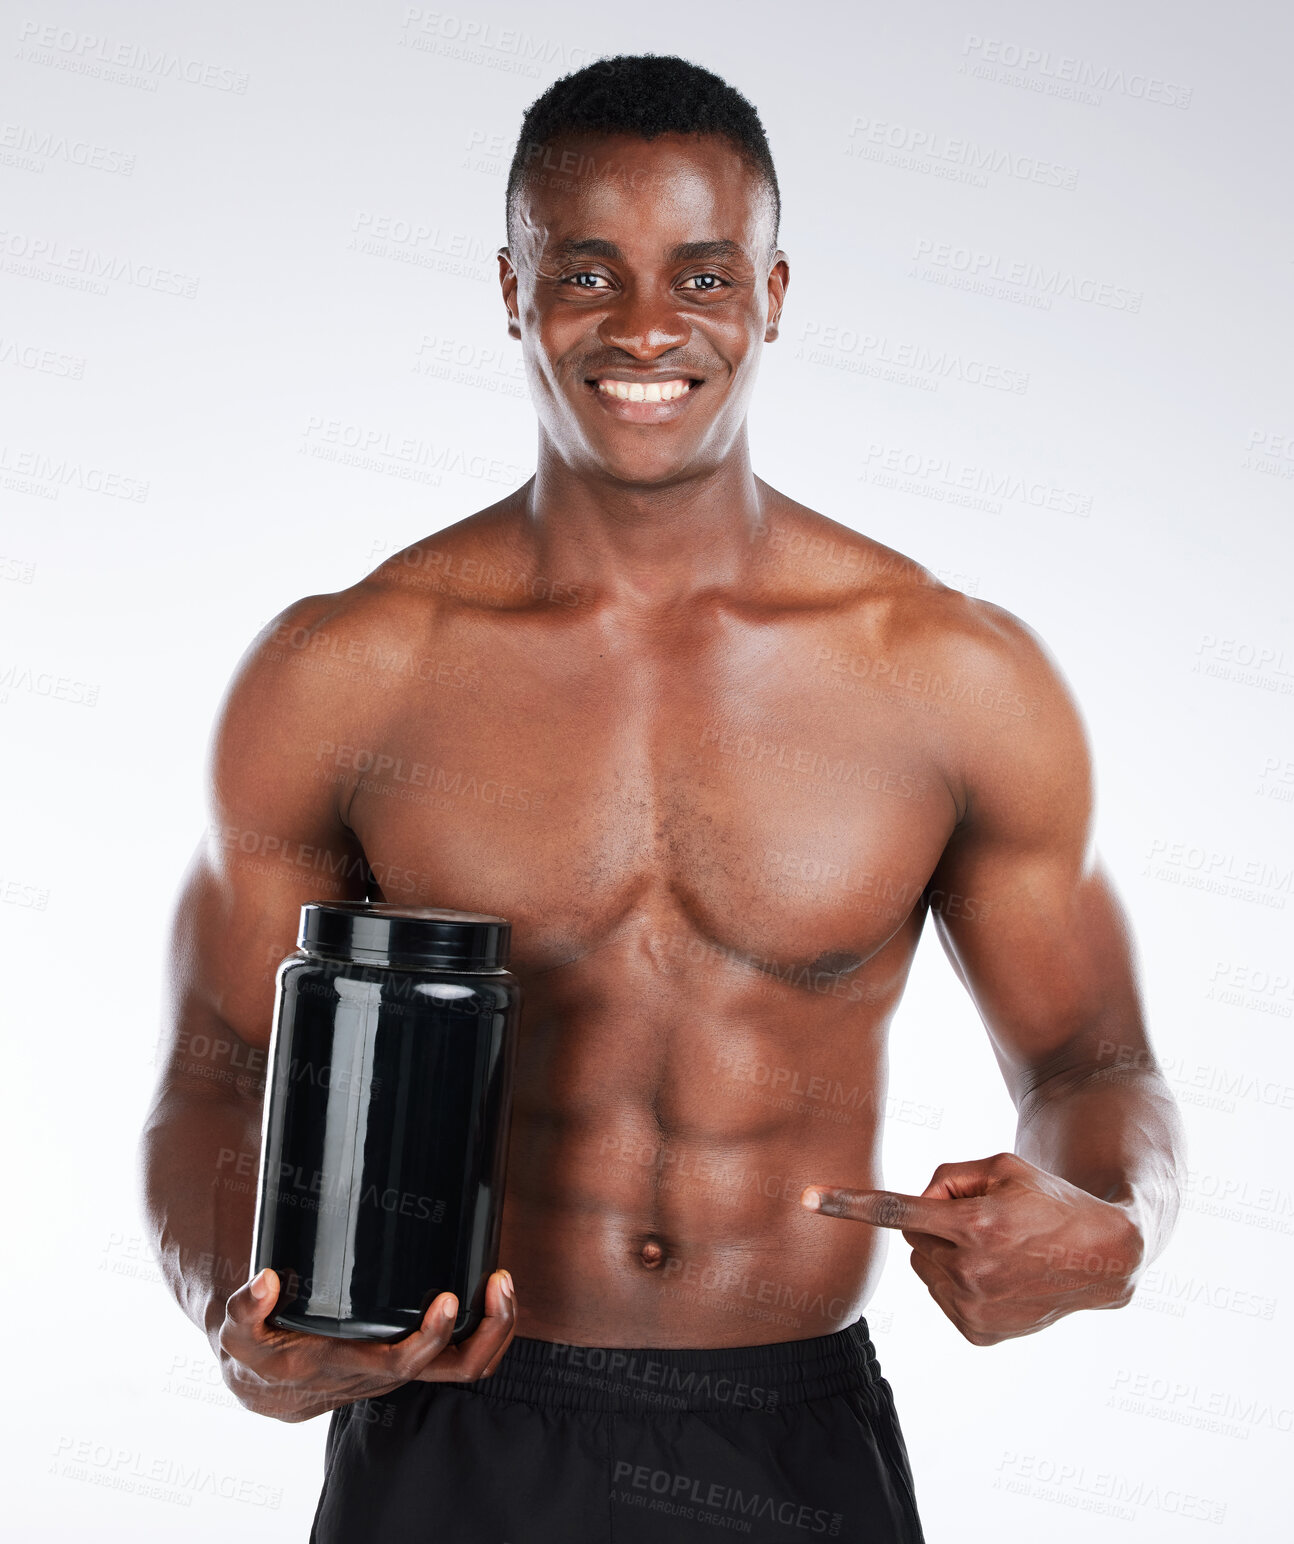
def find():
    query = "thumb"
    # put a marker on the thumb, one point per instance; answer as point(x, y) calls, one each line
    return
point(253, 1303)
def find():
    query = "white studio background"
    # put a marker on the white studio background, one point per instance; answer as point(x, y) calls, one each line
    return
point(1037, 336)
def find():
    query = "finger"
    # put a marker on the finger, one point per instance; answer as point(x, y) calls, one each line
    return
point(937, 1250)
point(932, 1273)
point(975, 1177)
point(246, 1312)
point(938, 1284)
point(366, 1369)
point(888, 1209)
point(944, 1291)
point(506, 1287)
point(408, 1358)
point(295, 1359)
point(469, 1359)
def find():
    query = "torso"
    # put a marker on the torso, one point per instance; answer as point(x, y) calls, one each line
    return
point(711, 835)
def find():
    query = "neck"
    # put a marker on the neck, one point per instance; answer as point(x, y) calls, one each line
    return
point(644, 544)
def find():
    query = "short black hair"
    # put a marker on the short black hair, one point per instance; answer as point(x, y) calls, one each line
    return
point(645, 95)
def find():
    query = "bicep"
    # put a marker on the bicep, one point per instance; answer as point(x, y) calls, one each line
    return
point(1022, 905)
point(274, 840)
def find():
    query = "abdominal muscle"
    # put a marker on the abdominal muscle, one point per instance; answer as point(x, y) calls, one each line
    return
point(656, 1161)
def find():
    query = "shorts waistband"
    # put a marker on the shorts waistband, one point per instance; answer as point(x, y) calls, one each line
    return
point(660, 1378)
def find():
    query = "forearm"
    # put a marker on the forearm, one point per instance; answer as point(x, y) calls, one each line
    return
point(1115, 1133)
point(199, 1154)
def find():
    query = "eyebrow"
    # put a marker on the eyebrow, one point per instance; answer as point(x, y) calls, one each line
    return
point(685, 252)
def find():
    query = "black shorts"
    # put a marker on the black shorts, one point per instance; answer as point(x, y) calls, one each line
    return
point(563, 1444)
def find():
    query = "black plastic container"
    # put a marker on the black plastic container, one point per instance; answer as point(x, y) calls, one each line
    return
point(385, 1135)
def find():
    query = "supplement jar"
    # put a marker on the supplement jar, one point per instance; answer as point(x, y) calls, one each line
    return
point(384, 1138)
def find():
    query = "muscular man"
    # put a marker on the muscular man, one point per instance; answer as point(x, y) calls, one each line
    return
point(716, 757)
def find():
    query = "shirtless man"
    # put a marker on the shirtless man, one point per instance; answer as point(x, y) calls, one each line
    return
point(715, 756)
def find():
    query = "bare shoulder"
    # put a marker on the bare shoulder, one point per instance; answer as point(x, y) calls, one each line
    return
point(1015, 734)
point(337, 662)
point(995, 706)
point(904, 611)
point(988, 644)
point(319, 646)
point(294, 688)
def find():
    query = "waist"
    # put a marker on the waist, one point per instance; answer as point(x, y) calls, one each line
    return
point(642, 1379)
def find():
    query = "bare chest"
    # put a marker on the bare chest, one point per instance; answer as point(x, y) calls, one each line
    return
point(726, 786)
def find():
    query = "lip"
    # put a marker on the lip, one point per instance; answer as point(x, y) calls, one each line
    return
point(642, 412)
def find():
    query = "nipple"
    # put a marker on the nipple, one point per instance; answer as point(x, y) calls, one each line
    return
point(652, 1253)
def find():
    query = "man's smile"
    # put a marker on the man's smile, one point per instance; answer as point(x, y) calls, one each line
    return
point(638, 398)
point(643, 391)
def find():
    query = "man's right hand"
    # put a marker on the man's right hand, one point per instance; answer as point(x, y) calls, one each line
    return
point(293, 1376)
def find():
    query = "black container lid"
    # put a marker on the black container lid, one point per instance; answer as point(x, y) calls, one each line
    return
point(385, 933)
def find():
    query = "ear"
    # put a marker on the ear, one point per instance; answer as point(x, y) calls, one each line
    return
point(779, 277)
point(508, 284)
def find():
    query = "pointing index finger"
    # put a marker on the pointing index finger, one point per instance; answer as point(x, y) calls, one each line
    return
point(889, 1209)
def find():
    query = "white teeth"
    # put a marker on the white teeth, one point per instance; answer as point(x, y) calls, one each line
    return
point(654, 391)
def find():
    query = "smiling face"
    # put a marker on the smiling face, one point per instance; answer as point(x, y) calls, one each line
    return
point(642, 284)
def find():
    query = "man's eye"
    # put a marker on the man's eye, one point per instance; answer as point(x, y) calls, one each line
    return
point(706, 283)
point(576, 278)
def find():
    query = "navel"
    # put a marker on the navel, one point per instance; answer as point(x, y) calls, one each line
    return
point(652, 1254)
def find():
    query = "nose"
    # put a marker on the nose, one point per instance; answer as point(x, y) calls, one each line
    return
point(643, 323)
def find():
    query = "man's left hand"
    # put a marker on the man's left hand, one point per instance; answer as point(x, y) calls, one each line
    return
point(1004, 1247)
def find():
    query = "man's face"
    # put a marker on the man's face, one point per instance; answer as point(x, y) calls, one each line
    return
point(642, 285)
